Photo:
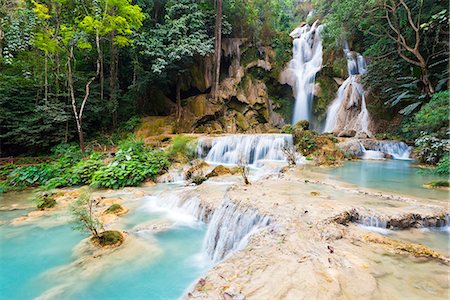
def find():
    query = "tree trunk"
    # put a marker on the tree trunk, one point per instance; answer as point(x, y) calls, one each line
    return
point(178, 92)
point(46, 79)
point(217, 50)
point(426, 81)
point(113, 79)
point(81, 139)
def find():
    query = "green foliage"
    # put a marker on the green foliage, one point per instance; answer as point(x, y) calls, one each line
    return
point(109, 238)
point(83, 214)
point(433, 117)
point(182, 148)
point(443, 166)
point(131, 124)
point(431, 150)
point(286, 129)
point(306, 142)
point(132, 164)
point(31, 175)
point(44, 200)
point(439, 183)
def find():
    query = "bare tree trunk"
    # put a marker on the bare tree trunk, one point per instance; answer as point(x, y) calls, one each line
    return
point(217, 50)
point(113, 79)
point(178, 96)
point(78, 113)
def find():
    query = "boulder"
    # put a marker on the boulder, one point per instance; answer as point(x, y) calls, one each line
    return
point(219, 171)
point(347, 133)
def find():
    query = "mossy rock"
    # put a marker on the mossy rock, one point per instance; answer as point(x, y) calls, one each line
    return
point(197, 180)
point(45, 200)
point(220, 170)
point(286, 129)
point(438, 184)
point(114, 209)
point(196, 169)
point(109, 238)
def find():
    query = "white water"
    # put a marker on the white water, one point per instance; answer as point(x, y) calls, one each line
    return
point(230, 228)
point(229, 225)
point(349, 95)
point(253, 149)
point(398, 150)
point(302, 69)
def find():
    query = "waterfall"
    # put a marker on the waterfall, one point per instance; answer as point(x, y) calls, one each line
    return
point(348, 111)
point(398, 150)
point(302, 69)
point(230, 228)
point(182, 210)
point(250, 148)
point(229, 225)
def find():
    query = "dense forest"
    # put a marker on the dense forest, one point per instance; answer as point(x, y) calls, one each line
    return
point(91, 71)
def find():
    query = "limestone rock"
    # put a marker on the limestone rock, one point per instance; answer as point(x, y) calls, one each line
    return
point(347, 133)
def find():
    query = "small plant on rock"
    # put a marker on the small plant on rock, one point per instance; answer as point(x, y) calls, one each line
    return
point(290, 154)
point(84, 216)
point(244, 169)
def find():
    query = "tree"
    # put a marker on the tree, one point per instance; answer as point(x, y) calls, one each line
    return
point(403, 26)
point(217, 49)
point(83, 214)
point(173, 45)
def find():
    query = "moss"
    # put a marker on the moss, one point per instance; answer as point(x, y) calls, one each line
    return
point(328, 90)
point(241, 121)
point(115, 208)
point(438, 183)
point(197, 180)
point(112, 238)
point(286, 129)
point(340, 67)
point(45, 200)
point(219, 171)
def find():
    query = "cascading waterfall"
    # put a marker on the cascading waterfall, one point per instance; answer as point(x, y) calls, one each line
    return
point(398, 150)
point(229, 225)
point(348, 111)
point(230, 228)
point(302, 69)
point(249, 148)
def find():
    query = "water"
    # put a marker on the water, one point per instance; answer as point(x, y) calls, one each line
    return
point(348, 110)
point(398, 150)
point(252, 149)
point(302, 69)
point(38, 259)
point(26, 252)
point(167, 276)
point(230, 228)
point(397, 176)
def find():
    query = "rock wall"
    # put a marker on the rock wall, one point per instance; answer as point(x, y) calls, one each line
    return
point(247, 101)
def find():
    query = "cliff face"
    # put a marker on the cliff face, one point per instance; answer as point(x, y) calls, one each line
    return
point(250, 98)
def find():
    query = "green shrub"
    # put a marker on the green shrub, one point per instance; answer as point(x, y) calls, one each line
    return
point(132, 164)
point(431, 150)
point(131, 124)
point(83, 171)
point(31, 175)
point(109, 238)
point(439, 183)
point(286, 129)
point(443, 166)
point(45, 200)
point(181, 148)
point(433, 117)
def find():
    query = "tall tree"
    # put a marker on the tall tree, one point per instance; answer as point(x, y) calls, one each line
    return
point(217, 49)
point(173, 45)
